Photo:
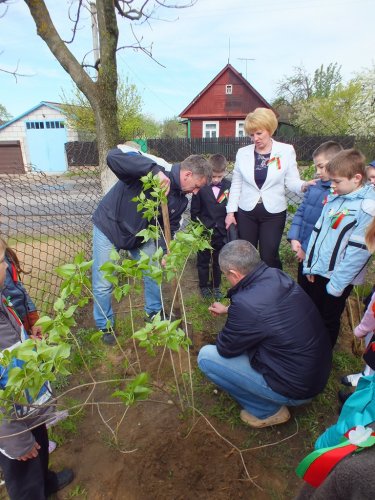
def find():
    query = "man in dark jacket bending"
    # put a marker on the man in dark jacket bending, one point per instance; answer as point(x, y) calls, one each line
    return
point(117, 221)
point(273, 351)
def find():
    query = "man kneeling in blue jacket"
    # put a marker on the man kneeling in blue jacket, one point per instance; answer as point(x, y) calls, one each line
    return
point(273, 351)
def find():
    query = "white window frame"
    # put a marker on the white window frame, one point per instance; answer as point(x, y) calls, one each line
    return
point(229, 89)
point(204, 129)
point(239, 128)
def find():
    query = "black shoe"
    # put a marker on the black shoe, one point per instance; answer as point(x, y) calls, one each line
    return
point(206, 292)
point(108, 337)
point(217, 294)
point(62, 479)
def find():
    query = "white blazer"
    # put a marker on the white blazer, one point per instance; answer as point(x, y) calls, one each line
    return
point(283, 171)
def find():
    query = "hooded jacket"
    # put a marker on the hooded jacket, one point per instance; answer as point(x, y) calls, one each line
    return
point(309, 212)
point(337, 248)
point(273, 320)
point(15, 437)
point(116, 215)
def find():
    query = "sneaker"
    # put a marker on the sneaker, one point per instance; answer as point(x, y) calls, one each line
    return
point(279, 417)
point(217, 294)
point(108, 337)
point(51, 446)
point(206, 292)
point(149, 317)
point(63, 478)
point(352, 380)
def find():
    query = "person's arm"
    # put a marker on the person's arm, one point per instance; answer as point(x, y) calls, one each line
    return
point(292, 178)
point(195, 207)
point(130, 165)
point(297, 221)
point(355, 258)
point(16, 440)
point(367, 323)
point(235, 188)
point(241, 331)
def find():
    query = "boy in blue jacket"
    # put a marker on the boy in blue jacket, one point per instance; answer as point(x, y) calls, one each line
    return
point(311, 207)
point(337, 256)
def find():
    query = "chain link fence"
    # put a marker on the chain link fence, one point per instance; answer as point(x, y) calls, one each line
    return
point(47, 219)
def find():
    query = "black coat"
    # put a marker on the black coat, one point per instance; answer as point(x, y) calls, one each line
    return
point(116, 215)
point(275, 322)
point(206, 208)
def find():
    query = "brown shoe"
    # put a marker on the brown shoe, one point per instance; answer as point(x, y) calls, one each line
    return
point(279, 417)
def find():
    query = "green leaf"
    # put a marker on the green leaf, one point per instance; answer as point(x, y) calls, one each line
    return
point(114, 255)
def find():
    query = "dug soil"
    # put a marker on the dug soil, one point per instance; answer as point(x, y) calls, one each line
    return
point(163, 453)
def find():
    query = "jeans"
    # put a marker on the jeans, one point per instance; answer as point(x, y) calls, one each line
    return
point(102, 289)
point(245, 385)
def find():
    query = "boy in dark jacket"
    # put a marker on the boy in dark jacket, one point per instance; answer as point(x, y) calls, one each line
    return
point(209, 207)
point(311, 207)
point(273, 351)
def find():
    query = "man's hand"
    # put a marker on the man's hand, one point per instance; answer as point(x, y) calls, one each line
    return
point(311, 278)
point(164, 181)
point(33, 453)
point(297, 248)
point(217, 309)
point(230, 219)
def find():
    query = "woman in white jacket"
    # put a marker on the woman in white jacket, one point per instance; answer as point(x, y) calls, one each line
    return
point(257, 202)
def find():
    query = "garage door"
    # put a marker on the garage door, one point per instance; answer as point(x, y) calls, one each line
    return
point(11, 161)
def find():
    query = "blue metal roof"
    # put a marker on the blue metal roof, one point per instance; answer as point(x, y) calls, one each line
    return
point(54, 106)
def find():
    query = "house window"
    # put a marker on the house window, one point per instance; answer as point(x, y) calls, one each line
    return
point(210, 129)
point(240, 132)
point(228, 89)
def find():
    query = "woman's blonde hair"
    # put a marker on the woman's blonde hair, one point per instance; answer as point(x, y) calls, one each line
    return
point(370, 237)
point(261, 119)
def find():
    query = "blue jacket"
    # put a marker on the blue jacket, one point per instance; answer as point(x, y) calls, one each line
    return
point(274, 322)
point(337, 248)
point(308, 213)
point(14, 290)
point(117, 216)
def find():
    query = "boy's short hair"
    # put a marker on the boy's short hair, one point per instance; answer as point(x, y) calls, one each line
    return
point(347, 163)
point(329, 149)
point(198, 165)
point(218, 163)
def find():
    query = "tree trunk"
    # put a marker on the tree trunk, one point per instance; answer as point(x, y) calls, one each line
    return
point(101, 94)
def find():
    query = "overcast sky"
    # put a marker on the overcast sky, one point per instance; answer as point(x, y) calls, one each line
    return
point(193, 45)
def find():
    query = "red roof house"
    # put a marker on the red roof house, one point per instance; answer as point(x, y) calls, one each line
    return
point(221, 108)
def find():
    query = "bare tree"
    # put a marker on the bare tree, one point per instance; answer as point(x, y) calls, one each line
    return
point(101, 90)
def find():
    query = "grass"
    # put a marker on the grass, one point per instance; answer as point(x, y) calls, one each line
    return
point(68, 428)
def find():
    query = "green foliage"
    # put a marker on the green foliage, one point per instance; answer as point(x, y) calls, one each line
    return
point(137, 390)
point(162, 334)
point(172, 128)
point(4, 115)
point(132, 123)
point(308, 172)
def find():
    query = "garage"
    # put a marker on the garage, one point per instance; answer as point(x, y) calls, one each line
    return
point(11, 161)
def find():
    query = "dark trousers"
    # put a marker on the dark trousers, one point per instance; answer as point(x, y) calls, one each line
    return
point(303, 282)
point(204, 260)
point(330, 307)
point(262, 229)
point(30, 480)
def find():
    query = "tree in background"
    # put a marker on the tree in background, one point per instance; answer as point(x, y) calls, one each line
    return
point(172, 128)
point(321, 104)
point(4, 115)
point(301, 85)
point(101, 89)
point(131, 122)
